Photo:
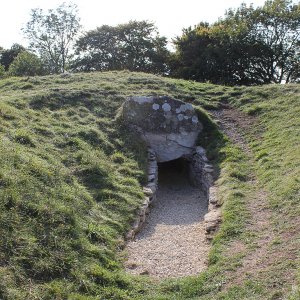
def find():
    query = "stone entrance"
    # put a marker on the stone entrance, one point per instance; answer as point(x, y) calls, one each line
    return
point(171, 241)
point(179, 167)
point(170, 127)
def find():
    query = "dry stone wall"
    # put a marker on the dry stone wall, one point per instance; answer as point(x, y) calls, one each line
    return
point(171, 127)
point(150, 195)
point(201, 174)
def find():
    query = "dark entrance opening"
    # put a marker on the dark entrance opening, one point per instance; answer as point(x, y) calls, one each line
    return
point(173, 172)
point(178, 200)
point(172, 240)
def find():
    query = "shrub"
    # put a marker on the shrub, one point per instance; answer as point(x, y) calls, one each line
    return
point(26, 64)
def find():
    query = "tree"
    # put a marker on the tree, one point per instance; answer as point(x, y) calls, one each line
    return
point(26, 64)
point(198, 55)
point(51, 35)
point(275, 27)
point(8, 55)
point(135, 46)
point(249, 46)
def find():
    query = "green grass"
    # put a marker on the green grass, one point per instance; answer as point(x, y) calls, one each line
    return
point(71, 178)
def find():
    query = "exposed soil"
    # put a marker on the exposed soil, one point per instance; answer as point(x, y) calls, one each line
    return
point(233, 123)
point(172, 242)
point(259, 256)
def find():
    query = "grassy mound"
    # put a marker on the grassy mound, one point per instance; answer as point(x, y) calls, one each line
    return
point(71, 177)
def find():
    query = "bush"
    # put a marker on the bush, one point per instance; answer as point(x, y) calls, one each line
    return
point(26, 64)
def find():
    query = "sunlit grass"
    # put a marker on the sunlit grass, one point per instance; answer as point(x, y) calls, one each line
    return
point(71, 181)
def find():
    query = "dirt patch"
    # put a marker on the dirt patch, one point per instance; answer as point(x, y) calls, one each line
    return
point(172, 242)
point(258, 257)
point(234, 123)
point(270, 250)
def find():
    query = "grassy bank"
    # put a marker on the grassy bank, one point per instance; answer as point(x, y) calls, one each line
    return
point(71, 177)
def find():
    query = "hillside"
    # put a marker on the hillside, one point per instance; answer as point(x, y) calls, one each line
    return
point(71, 181)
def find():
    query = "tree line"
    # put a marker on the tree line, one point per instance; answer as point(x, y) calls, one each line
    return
point(247, 46)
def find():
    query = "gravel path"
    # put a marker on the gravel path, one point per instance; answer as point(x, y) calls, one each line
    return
point(172, 242)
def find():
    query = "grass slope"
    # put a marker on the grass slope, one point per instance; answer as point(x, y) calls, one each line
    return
point(71, 176)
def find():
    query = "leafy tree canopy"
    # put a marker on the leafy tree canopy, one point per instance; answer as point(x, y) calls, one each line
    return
point(8, 55)
point(26, 64)
point(135, 46)
point(51, 35)
point(249, 46)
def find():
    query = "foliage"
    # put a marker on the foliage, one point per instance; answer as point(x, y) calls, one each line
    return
point(274, 29)
point(26, 64)
point(135, 46)
point(51, 35)
point(8, 55)
point(2, 70)
point(249, 46)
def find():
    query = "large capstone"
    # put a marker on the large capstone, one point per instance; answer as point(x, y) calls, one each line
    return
point(169, 126)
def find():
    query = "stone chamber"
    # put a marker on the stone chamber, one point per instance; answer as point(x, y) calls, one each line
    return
point(170, 128)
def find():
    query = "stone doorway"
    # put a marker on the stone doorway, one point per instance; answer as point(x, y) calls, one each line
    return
point(172, 242)
point(173, 169)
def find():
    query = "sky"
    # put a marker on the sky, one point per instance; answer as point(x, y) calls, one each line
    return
point(170, 16)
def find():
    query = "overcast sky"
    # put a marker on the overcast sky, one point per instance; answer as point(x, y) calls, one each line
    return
point(170, 16)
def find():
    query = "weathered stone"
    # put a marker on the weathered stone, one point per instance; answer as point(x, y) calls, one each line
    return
point(201, 151)
point(180, 117)
point(147, 191)
point(169, 126)
point(213, 199)
point(166, 107)
point(146, 202)
point(171, 146)
point(195, 119)
point(208, 168)
point(152, 186)
point(212, 220)
point(155, 106)
point(143, 218)
point(151, 177)
point(130, 235)
point(152, 171)
point(136, 225)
